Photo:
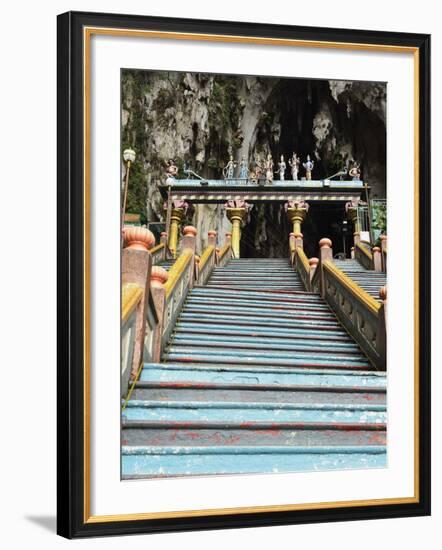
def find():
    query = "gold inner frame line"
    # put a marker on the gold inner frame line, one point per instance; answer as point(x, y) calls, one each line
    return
point(87, 34)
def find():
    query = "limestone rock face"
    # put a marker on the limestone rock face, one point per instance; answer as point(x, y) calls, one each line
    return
point(200, 119)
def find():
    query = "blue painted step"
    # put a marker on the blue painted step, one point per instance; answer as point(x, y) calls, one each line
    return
point(371, 281)
point(162, 461)
point(259, 376)
point(277, 376)
point(314, 334)
point(238, 413)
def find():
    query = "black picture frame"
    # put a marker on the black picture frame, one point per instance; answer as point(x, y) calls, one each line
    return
point(73, 520)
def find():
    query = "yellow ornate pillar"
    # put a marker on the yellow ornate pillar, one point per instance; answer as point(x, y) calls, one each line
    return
point(236, 212)
point(352, 214)
point(179, 209)
point(296, 213)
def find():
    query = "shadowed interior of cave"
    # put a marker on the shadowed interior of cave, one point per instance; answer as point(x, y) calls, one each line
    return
point(266, 235)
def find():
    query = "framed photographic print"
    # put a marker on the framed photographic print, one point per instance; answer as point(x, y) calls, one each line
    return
point(234, 201)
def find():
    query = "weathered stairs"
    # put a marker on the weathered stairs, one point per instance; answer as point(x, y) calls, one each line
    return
point(371, 281)
point(259, 376)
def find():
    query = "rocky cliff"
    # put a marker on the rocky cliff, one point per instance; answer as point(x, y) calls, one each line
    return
point(200, 119)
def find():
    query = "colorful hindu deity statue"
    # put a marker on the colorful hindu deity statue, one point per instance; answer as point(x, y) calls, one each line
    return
point(308, 165)
point(229, 169)
point(294, 163)
point(281, 168)
point(355, 171)
point(243, 169)
point(268, 166)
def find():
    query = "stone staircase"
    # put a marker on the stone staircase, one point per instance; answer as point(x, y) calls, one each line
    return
point(258, 376)
point(371, 281)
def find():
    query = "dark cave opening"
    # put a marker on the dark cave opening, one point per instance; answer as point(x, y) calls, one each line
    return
point(266, 234)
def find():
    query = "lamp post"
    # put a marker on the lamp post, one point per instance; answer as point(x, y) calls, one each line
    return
point(129, 156)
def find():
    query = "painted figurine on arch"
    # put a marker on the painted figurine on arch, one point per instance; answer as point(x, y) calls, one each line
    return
point(294, 164)
point(229, 169)
point(243, 169)
point(281, 168)
point(308, 165)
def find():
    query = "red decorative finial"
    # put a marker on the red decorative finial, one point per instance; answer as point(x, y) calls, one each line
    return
point(158, 276)
point(190, 230)
point(383, 293)
point(325, 243)
point(313, 262)
point(138, 238)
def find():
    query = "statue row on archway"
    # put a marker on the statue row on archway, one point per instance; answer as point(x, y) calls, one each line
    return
point(265, 168)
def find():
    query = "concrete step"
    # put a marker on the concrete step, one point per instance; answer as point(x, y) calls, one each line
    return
point(233, 353)
point(257, 376)
point(250, 320)
point(256, 344)
point(184, 337)
point(184, 355)
point(140, 434)
point(190, 328)
point(262, 296)
point(270, 313)
point(170, 461)
point(265, 394)
point(237, 413)
point(261, 304)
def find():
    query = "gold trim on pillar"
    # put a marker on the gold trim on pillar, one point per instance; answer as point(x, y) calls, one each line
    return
point(236, 216)
point(175, 221)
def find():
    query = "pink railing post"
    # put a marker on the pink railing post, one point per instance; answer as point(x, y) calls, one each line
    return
point(299, 240)
point(211, 237)
point(381, 338)
point(189, 242)
point(377, 258)
point(313, 263)
point(158, 276)
point(325, 253)
point(136, 268)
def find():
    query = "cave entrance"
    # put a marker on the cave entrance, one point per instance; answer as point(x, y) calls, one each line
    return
point(266, 233)
point(326, 220)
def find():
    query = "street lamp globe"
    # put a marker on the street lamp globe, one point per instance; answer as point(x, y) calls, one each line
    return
point(129, 155)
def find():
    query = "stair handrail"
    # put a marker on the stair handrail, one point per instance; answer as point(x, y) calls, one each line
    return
point(176, 288)
point(383, 239)
point(158, 253)
point(131, 296)
point(302, 266)
point(225, 254)
point(136, 267)
point(363, 256)
point(361, 315)
point(206, 264)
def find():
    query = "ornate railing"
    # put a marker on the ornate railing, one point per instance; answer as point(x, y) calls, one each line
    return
point(206, 265)
point(364, 256)
point(383, 239)
point(158, 253)
point(225, 254)
point(132, 295)
point(177, 286)
point(303, 267)
point(362, 315)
